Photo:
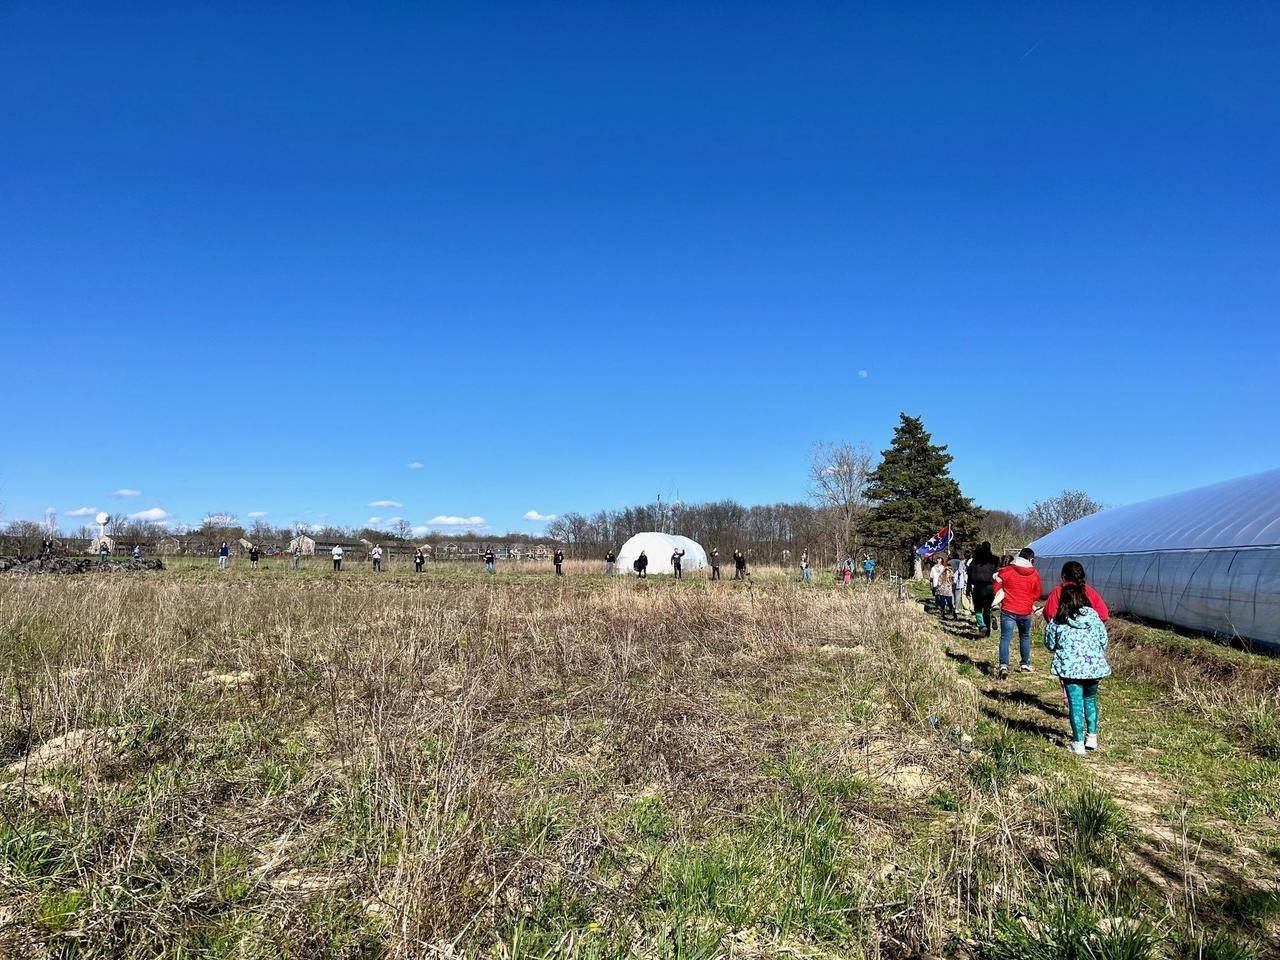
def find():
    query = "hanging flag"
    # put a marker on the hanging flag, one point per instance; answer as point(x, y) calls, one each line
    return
point(937, 543)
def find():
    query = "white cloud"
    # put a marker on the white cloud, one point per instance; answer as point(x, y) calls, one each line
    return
point(392, 521)
point(154, 515)
point(385, 503)
point(421, 531)
point(537, 517)
point(451, 521)
point(257, 513)
point(415, 465)
point(373, 521)
point(862, 374)
point(127, 492)
point(82, 512)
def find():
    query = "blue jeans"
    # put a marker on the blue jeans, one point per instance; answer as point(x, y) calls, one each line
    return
point(1007, 622)
point(869, 574)
point(488, 565)
point(805, 576)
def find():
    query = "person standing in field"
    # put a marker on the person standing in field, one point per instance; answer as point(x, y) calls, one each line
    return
point(1022, 588)
point(846, 572)
point(297, 555)
point(715, 563)
point(935, 576)
point(739, 565)
point(253, 556)
point(224, 555)
point(980, 585)
point(869, 567)
point(946, 592)
point(1078, 638)
point(336, 552)
point(376, 555)
point(610, 563)
point(558, 560)
point(419, 558)
point(676, 556)
point(960, 569)
point(805, 575)
point(137, 551)
point(642, 565)
point(489, 561)
point(103, 549)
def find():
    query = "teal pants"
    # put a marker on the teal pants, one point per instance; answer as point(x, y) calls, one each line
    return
point(1082, 697)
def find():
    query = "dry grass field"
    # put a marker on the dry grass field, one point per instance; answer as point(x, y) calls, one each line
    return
point(270, 764)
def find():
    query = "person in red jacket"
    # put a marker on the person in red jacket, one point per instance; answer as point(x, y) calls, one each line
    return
point(1073, 572)
point(1021, 587)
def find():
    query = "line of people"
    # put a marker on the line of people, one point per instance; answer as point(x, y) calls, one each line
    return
point(1075, 617)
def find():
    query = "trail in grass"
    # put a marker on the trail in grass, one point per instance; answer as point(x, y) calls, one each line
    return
point(1175, 778)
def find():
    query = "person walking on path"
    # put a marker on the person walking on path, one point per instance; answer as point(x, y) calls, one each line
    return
point(489, 561)
point(336, 552)
point(224, 555)
point(642, 565)
point(1022, 588)
point(935, 577)
point(945, 591)
point(960, 567)
point(715, 563)
point(297, 556)
point(869, 567)
point(610, 563)
point(805, 575)
point(981, 586)
point(253, 556)
point(1073, 572)
point(419, 558)
point(1078, 638)
point(558, 560)
point(676, 556)
point(739, 565)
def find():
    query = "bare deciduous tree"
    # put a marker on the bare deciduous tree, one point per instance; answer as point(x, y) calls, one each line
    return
point(838, 480)
point(1045, 516)
point(402, 529)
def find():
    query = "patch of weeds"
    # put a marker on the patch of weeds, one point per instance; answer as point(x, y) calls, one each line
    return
point(1092, 825)
point(1256, 908)
point(1220, 946)
point(809, 779)
point(1004, 754)
point(1261, 723)
point(1255, 792)
point(1068, 928)
point(648, 817)
point(334, 925)
point(943, 799)
point(59, 911)
point(539, 823)
point(31, 848)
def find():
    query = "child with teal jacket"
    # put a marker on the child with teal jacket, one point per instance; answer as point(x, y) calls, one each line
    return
point(1078, 639)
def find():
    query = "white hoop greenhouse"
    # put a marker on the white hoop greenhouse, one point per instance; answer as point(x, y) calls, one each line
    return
point(1207, 559)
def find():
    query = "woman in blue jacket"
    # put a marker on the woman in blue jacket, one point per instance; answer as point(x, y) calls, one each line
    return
point(1078, 639)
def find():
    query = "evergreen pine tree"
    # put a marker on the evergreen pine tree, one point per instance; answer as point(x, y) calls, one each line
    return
point(915, 494)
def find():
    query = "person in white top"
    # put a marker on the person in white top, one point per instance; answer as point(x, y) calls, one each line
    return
point(377, 557)
point(337, 557)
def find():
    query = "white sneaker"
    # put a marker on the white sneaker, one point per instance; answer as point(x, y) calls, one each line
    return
point(1091, 742)
point(1027, 668)
point(1076, 747)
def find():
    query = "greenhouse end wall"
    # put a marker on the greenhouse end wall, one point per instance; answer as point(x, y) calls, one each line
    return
point(1230, 591)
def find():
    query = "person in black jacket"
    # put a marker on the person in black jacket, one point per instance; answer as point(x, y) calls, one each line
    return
point(715, 564)
point(676, 556)
point(981, 588)
point(558, 560)
point(419, 558)
point(739, 565)
point(253, 556)
point(610, 563)
point(642, 565)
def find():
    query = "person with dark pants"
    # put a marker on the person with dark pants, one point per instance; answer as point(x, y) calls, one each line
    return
point(337, 557)
point(419, 558)
point(715, 564)
point(1022, 588)
point(489, 559)
point(610, 563)
point(739, 565)
point(981, 586)
point(869, 567)
point(642, 565)
point(558, 560)
point(253, 556)
point(675, 562)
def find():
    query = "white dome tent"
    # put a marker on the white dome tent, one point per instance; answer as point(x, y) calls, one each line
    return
point(658, 547)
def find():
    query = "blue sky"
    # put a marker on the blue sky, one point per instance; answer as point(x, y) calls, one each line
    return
point(260, 258)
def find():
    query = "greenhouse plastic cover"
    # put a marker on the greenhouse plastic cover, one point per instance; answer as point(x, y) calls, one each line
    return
point(1208, 558)
point(659, 547)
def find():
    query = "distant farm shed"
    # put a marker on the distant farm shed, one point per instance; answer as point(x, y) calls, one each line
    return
point(1207, 559)
point(303, 544)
